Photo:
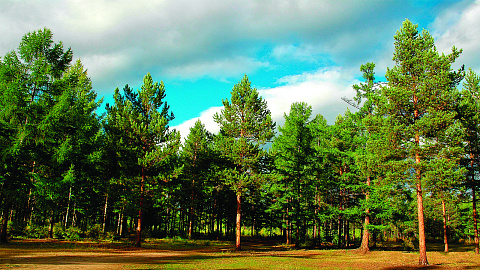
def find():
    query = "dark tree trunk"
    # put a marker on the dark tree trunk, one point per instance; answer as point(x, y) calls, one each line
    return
point(3, 232)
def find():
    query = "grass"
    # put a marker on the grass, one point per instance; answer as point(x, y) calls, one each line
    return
point(204, 254)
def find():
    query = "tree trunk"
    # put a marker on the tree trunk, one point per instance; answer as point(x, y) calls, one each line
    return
point(421, 224)
point(364, 247)
point(52, 222)
point(475, 218)
point(65, 224)
point(191, 210)
point(138, 241)
point(238, 224)
point(474, 204)
point(422, 260)
point(3, 232)
point(105, 213)
point(444, 212)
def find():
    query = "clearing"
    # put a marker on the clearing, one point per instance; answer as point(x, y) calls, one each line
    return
point(184, 254)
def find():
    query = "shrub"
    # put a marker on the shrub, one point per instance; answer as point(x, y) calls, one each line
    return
point(73, 233)
point(94, 231)
point(36, 231)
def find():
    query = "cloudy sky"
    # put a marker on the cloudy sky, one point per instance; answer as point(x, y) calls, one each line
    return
point(303, 50)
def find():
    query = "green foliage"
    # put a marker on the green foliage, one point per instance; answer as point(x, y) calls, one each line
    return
point(245, 125)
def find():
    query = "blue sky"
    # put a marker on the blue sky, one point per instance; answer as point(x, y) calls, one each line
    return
point(291, 50)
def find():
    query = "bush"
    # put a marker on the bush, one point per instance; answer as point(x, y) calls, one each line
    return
point(58, 231)
point(94, 231)
point(36, 231)
point(73, 233)
point(16, 228)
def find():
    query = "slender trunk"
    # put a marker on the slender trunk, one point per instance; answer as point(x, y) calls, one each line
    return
point(422, 260)
point(421, 226)
point(475, 219)
point(366, 233)
point(105, 213)
point(68, 207)
point(287, 229)
point(238, 227)
point(138, 240)
point(474, 203)
point(120, 219)
point(5, 216)
point(52, 221)
point(191, 212)
point(444, 212)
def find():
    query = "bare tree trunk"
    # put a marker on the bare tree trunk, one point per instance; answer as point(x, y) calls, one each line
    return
point(364, 247)
point(138, 241)
point(105, 213)
point(238, 224)
point(421, 223)
point(68, 207)
point(444, 212)
point(52, 221)
point(191, 211)
point(120, 219)
point(288, 233)
point(474, 204)
point(5, 216)
point(422, 260)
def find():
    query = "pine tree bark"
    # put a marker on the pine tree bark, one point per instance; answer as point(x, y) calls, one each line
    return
point(238, 223)
point(474, 203)
point(444, 213)
point(364, 247)
point(3, 232)
point(138, 241)
point(421, 223)
point(105, 207)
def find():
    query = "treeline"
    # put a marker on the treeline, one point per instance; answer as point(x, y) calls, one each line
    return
point(403, 166)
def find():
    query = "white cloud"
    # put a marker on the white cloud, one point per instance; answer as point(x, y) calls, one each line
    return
point(207, 119)
point(459, 26)
point(322, 89)
point(217, 68)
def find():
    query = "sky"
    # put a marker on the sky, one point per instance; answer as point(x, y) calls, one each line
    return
point(291, 51)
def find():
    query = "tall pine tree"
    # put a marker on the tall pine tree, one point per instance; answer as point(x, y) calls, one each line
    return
point(416, 107)
point(139, 120)
point(245, 125)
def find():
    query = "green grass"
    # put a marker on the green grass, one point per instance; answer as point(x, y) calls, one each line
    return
point(179, 253)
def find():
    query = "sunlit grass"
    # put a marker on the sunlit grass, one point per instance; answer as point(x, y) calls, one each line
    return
point(177, 253)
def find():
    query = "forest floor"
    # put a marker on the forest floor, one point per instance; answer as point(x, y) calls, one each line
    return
point(184, 254)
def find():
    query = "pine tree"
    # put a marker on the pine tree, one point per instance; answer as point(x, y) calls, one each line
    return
point(245, 125)
point(196, 157)
point(139, 120)
point(469, 114)
point(417, 104)
point(293, 156)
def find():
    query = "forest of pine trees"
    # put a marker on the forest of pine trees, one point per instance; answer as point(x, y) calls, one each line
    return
point(402, 165)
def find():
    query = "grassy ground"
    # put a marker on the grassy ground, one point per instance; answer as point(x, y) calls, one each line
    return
point(184, 254)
